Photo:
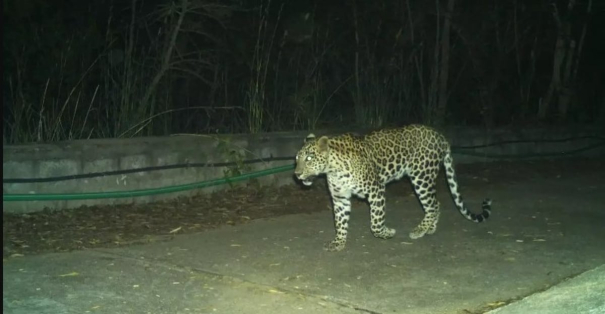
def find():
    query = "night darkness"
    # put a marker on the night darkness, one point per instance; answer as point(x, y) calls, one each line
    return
point(223, 218)
point(100, 69)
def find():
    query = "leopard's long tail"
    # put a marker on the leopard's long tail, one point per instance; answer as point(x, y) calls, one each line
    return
point(453, 184)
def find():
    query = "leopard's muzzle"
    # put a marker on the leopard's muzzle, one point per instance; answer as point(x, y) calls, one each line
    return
point(306, 180)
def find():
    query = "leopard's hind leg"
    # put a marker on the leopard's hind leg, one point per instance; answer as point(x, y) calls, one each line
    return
point(424, 183)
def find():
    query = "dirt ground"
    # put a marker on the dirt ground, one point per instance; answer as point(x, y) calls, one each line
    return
point(123, 225)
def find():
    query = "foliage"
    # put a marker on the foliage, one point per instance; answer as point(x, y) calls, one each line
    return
point(236, 156)
point(77, 69)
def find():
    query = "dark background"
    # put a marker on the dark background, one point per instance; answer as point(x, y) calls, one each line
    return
point(91, 69)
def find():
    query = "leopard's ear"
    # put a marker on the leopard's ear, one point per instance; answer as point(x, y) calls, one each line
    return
point(310, 137)
point(323, 143)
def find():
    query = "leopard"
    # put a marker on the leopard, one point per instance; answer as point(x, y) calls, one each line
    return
point(362, 166)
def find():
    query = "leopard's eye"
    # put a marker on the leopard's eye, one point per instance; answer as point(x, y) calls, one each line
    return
point(309, 157)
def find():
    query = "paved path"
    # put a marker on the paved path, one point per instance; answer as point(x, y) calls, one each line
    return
point(582, 294)
point(541, 234)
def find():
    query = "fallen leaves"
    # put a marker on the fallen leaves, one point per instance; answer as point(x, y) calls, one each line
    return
point(175, 230)
point(119, 225)
point(72, 274)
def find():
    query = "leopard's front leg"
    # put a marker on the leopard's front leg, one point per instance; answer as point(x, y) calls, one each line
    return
point(377, 202)
point(342, 212)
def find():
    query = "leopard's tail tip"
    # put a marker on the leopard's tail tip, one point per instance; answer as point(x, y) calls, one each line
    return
point(486, 207)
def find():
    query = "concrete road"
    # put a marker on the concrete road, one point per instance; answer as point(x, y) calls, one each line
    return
point(541, 252)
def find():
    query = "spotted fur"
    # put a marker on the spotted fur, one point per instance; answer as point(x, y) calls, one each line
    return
point(363, 165)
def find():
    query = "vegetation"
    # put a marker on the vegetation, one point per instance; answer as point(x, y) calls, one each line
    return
point(106, 68)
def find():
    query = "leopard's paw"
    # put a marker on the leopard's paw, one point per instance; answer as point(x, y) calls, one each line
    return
point(385, 233)
point(417, 233)
point(335, 245)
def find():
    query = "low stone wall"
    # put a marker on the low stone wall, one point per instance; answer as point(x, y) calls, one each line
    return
point(89, 156)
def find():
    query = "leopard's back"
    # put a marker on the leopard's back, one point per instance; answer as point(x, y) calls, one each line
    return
point(400, 151)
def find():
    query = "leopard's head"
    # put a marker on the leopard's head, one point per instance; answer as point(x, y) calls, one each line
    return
point(312, 159)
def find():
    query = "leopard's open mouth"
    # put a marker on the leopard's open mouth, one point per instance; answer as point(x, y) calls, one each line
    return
point(307, 181)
